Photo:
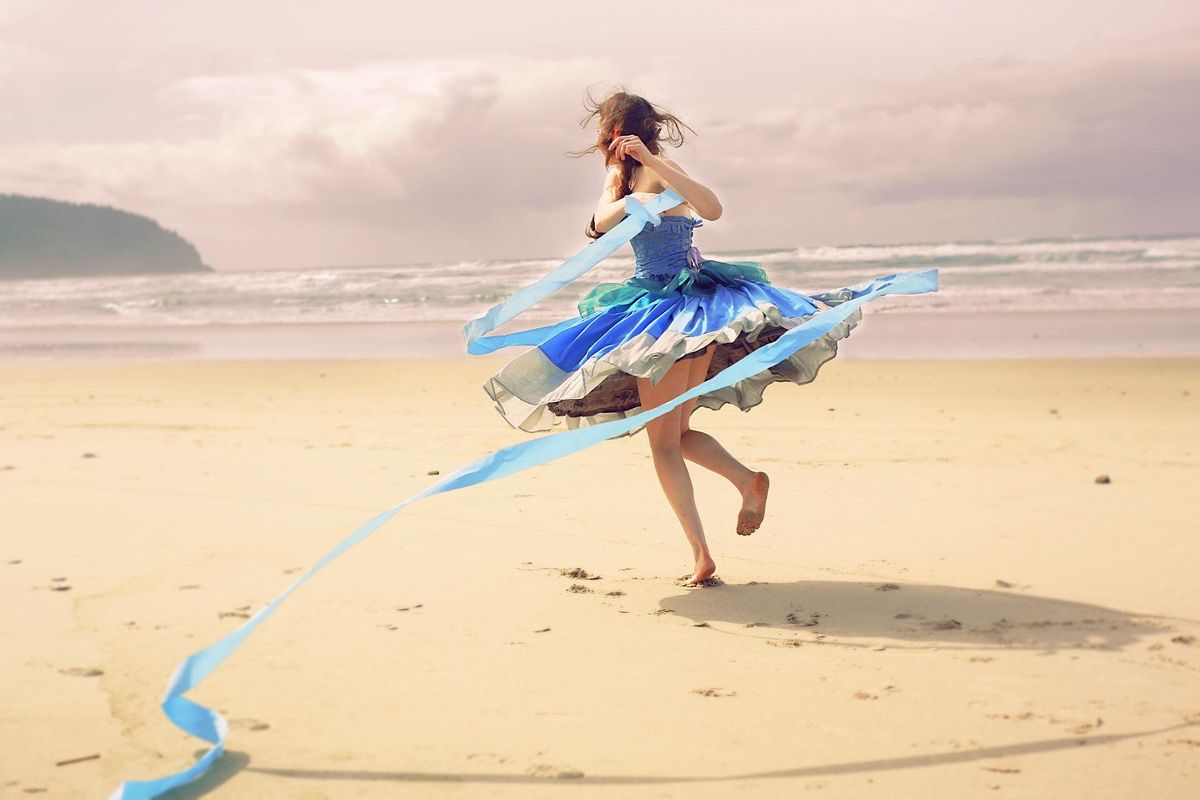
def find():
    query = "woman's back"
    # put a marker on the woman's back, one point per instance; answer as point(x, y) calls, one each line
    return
point(661, 250)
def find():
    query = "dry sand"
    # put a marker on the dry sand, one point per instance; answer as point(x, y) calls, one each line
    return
point(942, 602)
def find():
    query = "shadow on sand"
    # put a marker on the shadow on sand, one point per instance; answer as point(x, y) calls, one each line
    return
point(848, 614)
point(920, 616)
point(222, 770)
point(232, 762)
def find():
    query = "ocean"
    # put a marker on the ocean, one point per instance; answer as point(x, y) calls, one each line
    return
point(167, 315)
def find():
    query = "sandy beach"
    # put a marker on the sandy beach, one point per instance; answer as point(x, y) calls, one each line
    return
point(942, 602)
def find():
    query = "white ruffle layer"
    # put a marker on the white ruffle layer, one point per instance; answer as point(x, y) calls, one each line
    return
point(523, 388)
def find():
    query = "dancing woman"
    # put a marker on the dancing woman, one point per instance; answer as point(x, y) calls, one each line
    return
point(677, 321)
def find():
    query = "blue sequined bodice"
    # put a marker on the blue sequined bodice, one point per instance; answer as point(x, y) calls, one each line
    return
point(661, 251)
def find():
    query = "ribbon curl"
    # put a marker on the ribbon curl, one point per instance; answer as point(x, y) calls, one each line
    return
point(207, 724)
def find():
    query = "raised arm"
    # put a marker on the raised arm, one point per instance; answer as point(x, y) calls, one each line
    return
point(699, 197)
point(609, 210)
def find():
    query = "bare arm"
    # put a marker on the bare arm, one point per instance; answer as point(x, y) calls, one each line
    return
point(701, 199)
point(609, 211)
point(697, 196)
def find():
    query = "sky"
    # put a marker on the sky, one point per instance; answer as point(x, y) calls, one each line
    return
point(304, 134)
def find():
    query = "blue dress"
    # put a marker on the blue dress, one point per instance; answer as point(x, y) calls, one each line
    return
point(672, 308)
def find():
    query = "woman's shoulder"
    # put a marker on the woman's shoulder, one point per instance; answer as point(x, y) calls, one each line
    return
point(672, 162)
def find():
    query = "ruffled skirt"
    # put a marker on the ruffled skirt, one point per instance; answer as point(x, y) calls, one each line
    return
point(584, 372)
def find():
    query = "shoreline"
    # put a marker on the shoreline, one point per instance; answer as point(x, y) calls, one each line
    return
point(901, 335)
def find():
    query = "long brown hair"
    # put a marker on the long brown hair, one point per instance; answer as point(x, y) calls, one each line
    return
point(622, 113)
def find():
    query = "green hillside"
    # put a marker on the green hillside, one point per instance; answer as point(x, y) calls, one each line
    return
point(43, 238)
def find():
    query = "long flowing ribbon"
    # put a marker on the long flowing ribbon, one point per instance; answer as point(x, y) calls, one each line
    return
point(205, 723)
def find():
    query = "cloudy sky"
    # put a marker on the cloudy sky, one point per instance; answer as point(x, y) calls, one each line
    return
point(298, 133)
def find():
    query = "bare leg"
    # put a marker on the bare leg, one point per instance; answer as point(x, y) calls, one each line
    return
point(663, 433)
point(705, 450)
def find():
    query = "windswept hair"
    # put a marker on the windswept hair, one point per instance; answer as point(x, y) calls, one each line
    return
point(631, 114)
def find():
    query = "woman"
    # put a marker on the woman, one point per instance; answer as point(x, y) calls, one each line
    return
point(680, 319)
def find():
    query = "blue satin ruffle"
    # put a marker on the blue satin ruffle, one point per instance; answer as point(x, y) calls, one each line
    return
point(695, 302)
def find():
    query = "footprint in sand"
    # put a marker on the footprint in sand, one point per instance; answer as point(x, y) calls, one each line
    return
point(488, 756)
point(248, 724)
point(1075, 726)
point(553, 772)
point(713, 692)
point(943, 625)
point(81, 672)
point(812, 620)
point(1002, 584)
point(1086, 727)
point(578, 573)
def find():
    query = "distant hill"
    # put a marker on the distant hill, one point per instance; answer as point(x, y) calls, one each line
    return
point(43, 238)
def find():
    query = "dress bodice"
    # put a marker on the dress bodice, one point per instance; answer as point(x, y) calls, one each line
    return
point(661, 250)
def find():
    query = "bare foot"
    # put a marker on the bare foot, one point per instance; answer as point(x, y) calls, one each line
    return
point(705, 568)
point(754, 504)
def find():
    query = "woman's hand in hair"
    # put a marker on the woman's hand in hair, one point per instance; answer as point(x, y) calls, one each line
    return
point(630, 145)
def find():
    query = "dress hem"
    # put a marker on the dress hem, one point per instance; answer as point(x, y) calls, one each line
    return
point(536, 415)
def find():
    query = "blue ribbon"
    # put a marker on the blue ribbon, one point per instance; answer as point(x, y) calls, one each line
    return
point(638, 216)
point(207, 724)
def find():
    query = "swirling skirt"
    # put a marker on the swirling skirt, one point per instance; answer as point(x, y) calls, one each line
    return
point(585, 372)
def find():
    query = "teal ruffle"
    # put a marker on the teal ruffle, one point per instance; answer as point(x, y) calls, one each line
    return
point(638, 292)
